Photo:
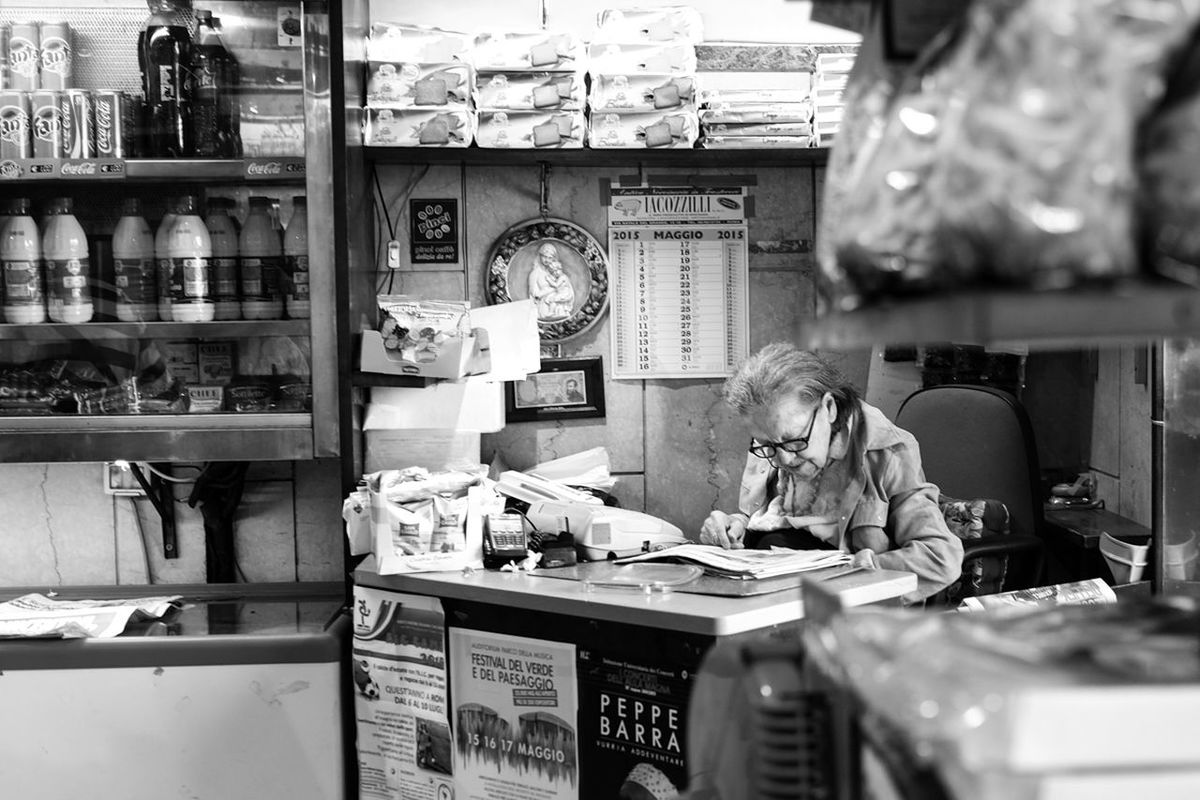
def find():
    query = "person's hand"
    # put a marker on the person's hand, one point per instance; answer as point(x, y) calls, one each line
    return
point(724, 530)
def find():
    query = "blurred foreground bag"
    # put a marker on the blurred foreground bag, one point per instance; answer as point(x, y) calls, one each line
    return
point(1006, 155)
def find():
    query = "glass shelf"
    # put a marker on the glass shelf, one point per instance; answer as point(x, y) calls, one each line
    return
point(1043, 320)
point(237, 329)
point(274, 169)
point(592, 157)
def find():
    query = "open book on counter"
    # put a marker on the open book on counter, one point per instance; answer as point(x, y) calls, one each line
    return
point(745, 564)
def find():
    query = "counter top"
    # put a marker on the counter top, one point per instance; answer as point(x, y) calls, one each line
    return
point(673, 610)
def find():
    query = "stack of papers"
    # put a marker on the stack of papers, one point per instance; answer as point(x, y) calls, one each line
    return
point(587, 468)
point(746, 564)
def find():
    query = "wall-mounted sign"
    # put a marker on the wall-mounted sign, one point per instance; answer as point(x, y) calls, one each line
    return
point(679, 263)
point(433, 235)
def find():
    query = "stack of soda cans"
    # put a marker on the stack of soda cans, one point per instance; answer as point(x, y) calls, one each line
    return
point(42, 115)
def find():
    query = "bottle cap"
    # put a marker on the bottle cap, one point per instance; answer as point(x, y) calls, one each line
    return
point(259, 200)
point(300, 200)
point(131, 207)
point(21, 206)
point(186, 204)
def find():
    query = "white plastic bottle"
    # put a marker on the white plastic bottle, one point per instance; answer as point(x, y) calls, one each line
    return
point(295, 260)
point(226, 272)
point(162, 260)
point(190, 249)
point(68, 269)
point(21, 262)
point(133, 265)
point(261, 252)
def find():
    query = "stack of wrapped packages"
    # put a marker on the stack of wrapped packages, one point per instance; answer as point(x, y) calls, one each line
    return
point(642, 66)
point(529, 89)
point(419, 82)
point(829, 83)
point(755, 95)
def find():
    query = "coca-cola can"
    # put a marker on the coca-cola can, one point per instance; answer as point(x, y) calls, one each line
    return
point(56, 56)
point(23, 59)
point(15, 139)
point(113, 124)
point(77, 124)
point(46, 123)
point(5, 33)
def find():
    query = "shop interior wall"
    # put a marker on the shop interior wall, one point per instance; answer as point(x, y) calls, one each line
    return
point(676, 448)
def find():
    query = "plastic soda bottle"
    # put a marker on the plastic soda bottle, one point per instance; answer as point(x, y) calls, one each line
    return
point(295, 260)
point(68, 269)
point(21, 262)
point(133, 265)
point(262, 255)
point(162, 261)
point(164, 54)
point(226, 273)
point(190, 250)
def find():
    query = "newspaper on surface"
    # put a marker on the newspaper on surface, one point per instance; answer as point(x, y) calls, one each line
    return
point(746, 564)
point(36, 615)
point(1080, 593)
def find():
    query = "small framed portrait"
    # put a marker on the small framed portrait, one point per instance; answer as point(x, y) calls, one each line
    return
point(566, 388)
point(556, 264)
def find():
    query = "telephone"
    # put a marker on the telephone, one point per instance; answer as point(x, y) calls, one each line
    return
point(504, 539)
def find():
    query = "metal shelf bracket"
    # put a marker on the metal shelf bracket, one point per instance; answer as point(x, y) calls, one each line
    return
point(159, 493)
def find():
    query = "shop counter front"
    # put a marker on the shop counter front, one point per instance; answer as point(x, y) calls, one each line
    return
point(556, 686)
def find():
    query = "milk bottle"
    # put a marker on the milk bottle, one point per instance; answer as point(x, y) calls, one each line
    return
point(68, 270)
point(21, 262)
point(133, 265)
point(262, 256)
point(190, 249)
point(295, 259)
point(225, 272)
point(163, 261)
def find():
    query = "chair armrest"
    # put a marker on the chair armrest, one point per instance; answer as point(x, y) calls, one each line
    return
point(1000, 545)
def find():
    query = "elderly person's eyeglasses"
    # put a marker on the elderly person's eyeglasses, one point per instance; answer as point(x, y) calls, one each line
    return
point(797, 445)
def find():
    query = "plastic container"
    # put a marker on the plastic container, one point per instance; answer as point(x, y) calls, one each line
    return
point(164, 55)
point(261, 252)
point(295, 260)
point(133, 266)
point(21, 263)
point(68, 268)
point(226, 270)
point(190, 250)
point(1127, 561)
point(163, 261)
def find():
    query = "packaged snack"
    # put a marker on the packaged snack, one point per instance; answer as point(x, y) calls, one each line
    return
point(675, 129)
point(540, 50)
point(400, 43)
point(442, 126)
point(666, 24)
point(640, 92)
point(531, 129)
point(617, 58)
point(529, 91)
point(392, 84)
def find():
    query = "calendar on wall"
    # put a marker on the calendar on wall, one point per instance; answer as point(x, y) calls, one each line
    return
point(678, 273)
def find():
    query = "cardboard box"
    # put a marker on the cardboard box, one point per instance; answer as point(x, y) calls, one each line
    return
point(458, 357)
point(431, 448)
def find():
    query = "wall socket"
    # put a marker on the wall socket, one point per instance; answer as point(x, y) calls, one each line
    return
point(119, 480)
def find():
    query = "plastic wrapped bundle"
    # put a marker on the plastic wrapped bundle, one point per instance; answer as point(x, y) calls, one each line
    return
point(1011, 159)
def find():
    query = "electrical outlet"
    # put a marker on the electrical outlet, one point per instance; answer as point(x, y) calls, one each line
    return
point(119, 480)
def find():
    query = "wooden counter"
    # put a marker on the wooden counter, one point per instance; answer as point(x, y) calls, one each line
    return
point(683, 612)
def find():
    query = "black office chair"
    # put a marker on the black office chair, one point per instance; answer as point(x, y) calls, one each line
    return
point(977, 442)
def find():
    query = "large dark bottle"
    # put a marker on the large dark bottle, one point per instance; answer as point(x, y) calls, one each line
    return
point(230, 106)
point(164, 54)
point(208, 74)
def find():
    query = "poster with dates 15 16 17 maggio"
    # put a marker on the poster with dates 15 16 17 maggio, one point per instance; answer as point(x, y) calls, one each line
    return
point(515, 705)
point(678, 259)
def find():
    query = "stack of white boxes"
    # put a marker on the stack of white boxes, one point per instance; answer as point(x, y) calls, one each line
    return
point(829, 84)
point(419, 83)
point(529, 90)
point(755, 96)
point(642, 65)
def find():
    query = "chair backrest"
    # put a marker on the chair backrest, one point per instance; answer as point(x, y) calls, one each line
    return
point(977, 442)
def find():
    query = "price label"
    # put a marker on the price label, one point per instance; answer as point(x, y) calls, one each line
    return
point(678, 259)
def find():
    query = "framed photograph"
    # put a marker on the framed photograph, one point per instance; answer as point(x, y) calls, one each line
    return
point(556, 264)
point(566, 388)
